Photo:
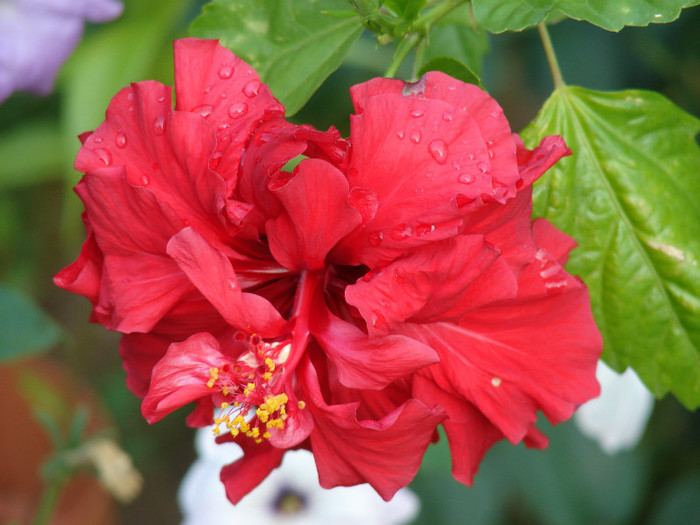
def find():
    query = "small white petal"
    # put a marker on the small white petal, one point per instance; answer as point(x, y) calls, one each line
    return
point(618, 417)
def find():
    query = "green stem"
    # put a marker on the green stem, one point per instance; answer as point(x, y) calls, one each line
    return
point(551, 57)
point(418, 32)
point(49, 499)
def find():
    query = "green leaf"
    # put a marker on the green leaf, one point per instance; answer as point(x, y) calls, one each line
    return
point(31, 154)
point(24, 328)
point(630, 196)
point(293, 45)
point(454, 37)
point(452, 67)
point(497, 16)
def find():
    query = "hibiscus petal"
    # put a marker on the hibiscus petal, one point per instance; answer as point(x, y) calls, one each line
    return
point(439, 281)
point(516, 357)
point(84, 275)
point(367, 362)
point(211, 81)
point(317, 216)
point(468, 431)
point(165, 151)
point(140, 353)
point(211, 272)
point(243, 475)
point(181, 376)
point(384, 453)
point(449, 139)
point(139, 284)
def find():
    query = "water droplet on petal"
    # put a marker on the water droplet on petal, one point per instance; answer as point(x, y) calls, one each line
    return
point(104, 155)
point(496, 381)
point(417, 113)
point(377, 318)
point(438, 149)
point(401, 232)
point(489, 143)
point(237, 110)
point(120, 140)
point(145, 180)
point(161, 99)
point(465, 178)
point(423, 229)
point(98, 140)
point(215, 160)
point(204, 111)
point(491, 154)
point(400, 134)
point(232, 284)
point(482, 167)
point(376, 238)
point(223, 133)
point(159, 125)
point(447, 116)
point(470, 156)
point(251, 89)
point(225, 72)
point(415, 136)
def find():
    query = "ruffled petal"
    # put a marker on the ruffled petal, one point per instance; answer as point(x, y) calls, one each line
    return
point(317, 216)
point(441, 281)
point(211, 272)
point(243, 475)
point(214, 83)
point(384, 453)
point(367, 362)
point(182, 375)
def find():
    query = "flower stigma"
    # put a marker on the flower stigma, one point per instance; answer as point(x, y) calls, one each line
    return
point(253, 403)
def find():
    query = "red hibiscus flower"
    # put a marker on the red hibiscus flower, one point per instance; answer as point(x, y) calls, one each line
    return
point(383, 286)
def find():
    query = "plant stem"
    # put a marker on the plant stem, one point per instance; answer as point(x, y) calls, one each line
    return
point(48, 499)
point(551, 57)
point(418, 33)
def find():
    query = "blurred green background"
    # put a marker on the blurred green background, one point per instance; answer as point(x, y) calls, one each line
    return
point(572, 482)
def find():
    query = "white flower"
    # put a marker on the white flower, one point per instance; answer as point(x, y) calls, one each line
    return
point(618, 417)
point(291, 494)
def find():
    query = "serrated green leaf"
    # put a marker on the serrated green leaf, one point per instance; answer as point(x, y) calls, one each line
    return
point(452, 67)
point(497, 16)
point(294, 46)
point(24, 328)
point(630, 196)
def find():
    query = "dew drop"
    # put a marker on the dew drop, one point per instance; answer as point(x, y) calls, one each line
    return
point(159, 125)
point(400, 134)
point(98, 140)
point(423, 229)
point(496, 381)
point(376, 238)
point(401, 232)
point(447, 116)
point(377, 318)
point(161, 99)
point(232, 284)
point(482, 167)
point(204, 111)
point(237, 110)
point(438, 149)
point(417, 113)
point(251, 89)
point(223, 133)
point(658, 15)
point(470, 156)
point(215, 160)
point(465, 178)
point(120, 140)
point(104, 155)
point(225, 72)
point(415, 136)
point(491, 154)
point(145, 180)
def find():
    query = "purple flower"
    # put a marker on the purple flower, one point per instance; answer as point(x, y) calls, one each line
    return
point(37, 36)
